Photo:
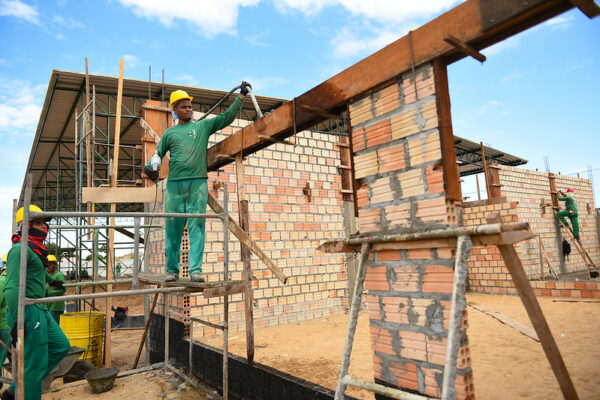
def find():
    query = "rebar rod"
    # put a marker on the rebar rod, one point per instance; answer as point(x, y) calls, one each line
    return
point(41, 300)
point(92, 227)
point(97, 283)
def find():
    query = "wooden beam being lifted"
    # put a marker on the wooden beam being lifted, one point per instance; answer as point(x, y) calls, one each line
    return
point(480, 23)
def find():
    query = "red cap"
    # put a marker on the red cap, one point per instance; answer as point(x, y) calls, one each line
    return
point(570, 190)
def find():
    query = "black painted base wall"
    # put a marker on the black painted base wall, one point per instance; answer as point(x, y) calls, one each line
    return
point(247, 381)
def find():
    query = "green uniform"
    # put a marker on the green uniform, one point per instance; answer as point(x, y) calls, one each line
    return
point(45, 343)
point(58, 308)
point(4, 327)
point(187, 189)
point(571, 212)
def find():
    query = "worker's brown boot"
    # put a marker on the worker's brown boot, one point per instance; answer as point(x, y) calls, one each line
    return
point(172, 277)
point(197, 277)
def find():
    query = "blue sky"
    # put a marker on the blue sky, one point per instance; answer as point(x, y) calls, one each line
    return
point(537, 94)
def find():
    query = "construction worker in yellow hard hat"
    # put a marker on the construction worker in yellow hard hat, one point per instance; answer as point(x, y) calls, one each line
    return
point(4, 326)
point(58, 308)
point(187, 189)
point(45, 343)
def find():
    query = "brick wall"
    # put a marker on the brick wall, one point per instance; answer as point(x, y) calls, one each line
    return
point(285, 224)
point(532, 188)
point(397, 155)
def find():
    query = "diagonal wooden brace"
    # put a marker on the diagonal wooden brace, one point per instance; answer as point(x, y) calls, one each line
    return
point(245, 239)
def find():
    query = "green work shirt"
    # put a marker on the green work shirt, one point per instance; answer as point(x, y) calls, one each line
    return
point(570, 202)
point(188, 143)
point(3, 306)
point(53, 292)
point(37, 276)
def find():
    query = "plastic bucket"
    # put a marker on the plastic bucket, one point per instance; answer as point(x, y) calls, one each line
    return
point(85, 329)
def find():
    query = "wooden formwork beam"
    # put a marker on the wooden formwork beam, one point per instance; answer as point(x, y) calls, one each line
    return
point(478, 23)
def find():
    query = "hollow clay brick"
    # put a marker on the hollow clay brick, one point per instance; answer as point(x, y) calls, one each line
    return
point(379, 133)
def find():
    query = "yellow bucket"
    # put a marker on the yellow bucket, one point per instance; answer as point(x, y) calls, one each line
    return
point(85, 329)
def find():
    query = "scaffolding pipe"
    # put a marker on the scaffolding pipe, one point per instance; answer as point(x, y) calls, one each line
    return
point(92, 227)
point(136, 254)
point(106, 214)
point(97, 283)
point(73, 297)
point(226, 297)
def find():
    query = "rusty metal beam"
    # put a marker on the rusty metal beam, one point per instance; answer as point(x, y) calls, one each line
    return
point(478, 23)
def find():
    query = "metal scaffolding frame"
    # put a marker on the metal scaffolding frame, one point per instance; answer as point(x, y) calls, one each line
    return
point(18, 367)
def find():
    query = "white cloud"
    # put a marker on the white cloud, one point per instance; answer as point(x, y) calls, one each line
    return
point(560, 22)
point(68, 22)
point(18, 9)
point(510, 43)
point(20, 106)
point(258, 39)
point(350, 42)
point(209, 17)
point(188, 80)
point(381, 10)
point(131, 61)
point(261, 84)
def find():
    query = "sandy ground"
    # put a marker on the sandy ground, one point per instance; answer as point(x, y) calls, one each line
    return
point(506, 364)
point(135, 304)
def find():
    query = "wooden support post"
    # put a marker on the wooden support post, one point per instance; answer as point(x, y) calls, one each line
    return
point(113, 208)
point(442, 101)
point(146, 327)
point(14, 215)
point(541, 258)
point(485, 172)
point(245, 254)
point(478, 191)
point(519, 277)
point(558, 234)
point(513, 263)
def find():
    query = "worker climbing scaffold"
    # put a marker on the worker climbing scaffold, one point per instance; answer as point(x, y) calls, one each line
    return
point(187, 188)
point(569, 211)
point(45, 343)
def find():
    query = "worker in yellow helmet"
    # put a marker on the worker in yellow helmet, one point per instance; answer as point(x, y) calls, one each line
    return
point(4, 257)
point(58, 308)
point(187, 189)
point(45, 343)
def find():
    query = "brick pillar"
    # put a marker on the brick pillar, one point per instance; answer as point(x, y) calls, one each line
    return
point(398, 165)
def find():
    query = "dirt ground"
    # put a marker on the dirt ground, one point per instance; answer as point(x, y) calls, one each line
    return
point(506, 364)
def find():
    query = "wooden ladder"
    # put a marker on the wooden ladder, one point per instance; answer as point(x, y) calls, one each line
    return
point(587, 260)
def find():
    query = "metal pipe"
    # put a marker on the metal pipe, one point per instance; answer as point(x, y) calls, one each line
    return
point(457, 306)
point(200, 321)
point(92, 227)
point(105, 214)
point(225, 298)
point(353, 320)
point(20, 364)
point(95, 283)
point(384, 390)
point(258, 111)
point(167, 300)
point(136, 253)
point(41, 300)
point(488, 229)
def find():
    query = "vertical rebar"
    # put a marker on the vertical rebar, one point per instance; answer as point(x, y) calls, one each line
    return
point(150, 82)
point(162, 90)
point(20, 373)
point(167, 300)
point(457, 306)
point(136, 252)
point(353, 320)
point(225, 298)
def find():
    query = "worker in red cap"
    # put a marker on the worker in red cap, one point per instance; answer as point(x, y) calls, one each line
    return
point(570, 210)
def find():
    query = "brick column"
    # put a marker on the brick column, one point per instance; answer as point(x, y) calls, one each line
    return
point(398, 165)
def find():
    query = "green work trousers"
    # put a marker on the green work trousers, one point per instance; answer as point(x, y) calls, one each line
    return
point(4, 354)
point(574, 220)
point(45, 347)
point(56, 315)
point(185, 196)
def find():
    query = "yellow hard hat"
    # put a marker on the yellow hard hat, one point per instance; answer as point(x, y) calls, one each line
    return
point(52, 257)
point(5, 257)
point(33, 208)
point(179, 95)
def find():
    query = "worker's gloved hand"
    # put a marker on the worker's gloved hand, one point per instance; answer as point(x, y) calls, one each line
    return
point(56, 284)
point(150, 173)
point(244, 88)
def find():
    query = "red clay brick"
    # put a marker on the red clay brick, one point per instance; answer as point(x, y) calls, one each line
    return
point(435, 179)
point(358, 139)
point(438, 278)
point(376, 279)
point(379, 133)
point(407, 279)
point(391, 158)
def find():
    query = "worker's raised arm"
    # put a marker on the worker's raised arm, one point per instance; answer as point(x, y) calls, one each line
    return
point(226, 118)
